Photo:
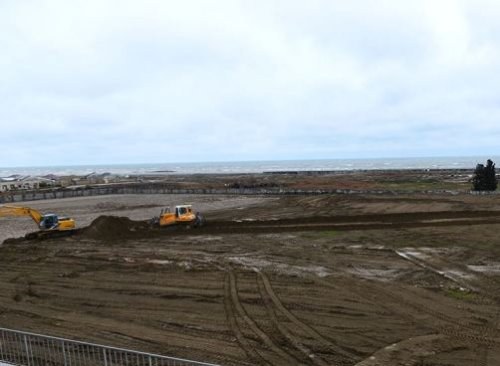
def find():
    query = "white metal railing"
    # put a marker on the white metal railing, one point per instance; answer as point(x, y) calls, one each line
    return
point(30, 349)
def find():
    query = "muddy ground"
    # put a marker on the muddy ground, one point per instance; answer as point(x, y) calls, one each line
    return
point(391, 179)
point(399, 295)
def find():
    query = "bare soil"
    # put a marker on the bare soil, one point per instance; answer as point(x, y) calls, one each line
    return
point(327, 280)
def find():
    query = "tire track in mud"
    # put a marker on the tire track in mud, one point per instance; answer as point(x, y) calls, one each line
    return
point(93, 325)
point(487, 287)
point(432, 343)
point(441, 322)
point(432, 268)
point(483, 359)
point(448, 325)
point(250, 351)
point(487, 292)
point(233, 295)
point(487, 350)
point(284, 330)
point(341, 355)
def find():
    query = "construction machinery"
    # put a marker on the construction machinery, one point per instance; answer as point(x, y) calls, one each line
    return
point(50, 225)
point(182, 215)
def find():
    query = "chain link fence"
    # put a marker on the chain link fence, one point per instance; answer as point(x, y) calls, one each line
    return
point(29, 349)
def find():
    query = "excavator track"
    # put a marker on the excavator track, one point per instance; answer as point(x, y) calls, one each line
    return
point(44, 235)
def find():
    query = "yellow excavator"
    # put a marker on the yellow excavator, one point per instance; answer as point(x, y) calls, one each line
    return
point(50, 225)
point(182, 215)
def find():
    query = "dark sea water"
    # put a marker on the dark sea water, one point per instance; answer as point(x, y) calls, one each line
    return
point(255, 166)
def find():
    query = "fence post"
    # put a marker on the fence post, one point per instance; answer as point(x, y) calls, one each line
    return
point(64, 354)
point(105, 357)
point(2, 344)
point(27, 350)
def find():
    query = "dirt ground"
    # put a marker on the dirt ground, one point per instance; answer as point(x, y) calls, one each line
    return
point(392, 179)
point(407, 294)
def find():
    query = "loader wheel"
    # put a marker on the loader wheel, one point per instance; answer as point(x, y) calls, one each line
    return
point(199, 221)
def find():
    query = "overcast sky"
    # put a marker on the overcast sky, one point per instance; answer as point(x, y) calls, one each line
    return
point(96, 81)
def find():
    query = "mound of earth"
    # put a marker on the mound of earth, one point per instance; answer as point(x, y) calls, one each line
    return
point(14, 240)
point(113, 227)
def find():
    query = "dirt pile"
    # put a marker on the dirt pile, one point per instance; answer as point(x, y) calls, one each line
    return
point(13, 241)
point(109, 228)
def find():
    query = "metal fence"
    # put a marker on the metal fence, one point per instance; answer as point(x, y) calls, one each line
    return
point(23, 348)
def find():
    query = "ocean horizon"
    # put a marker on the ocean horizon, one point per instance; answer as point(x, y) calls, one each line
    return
point(232, 167)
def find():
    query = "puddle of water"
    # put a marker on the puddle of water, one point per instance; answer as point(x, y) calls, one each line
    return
point(158, 261)
point(277, 236)
point(374, 274)
point(413, 253)
point(204, 238)
point(487, 268)
point(367, 247)
point(459, 274)
point(355, 246)
point(425, 261)
point(259, 264)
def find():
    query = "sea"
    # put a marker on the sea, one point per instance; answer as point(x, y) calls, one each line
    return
point(229, 167)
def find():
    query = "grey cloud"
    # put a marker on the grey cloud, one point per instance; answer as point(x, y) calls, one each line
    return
point(122, 81)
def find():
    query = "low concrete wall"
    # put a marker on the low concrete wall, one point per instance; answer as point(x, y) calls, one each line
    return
point(20, 196)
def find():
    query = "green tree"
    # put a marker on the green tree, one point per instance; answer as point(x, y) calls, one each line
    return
point(485, 178)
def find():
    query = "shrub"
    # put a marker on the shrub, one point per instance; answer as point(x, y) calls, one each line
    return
point(485, 177)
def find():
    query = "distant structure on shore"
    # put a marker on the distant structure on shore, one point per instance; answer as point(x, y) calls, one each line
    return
point(18, 182)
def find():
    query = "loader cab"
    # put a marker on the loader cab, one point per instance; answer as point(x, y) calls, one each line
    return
point(49, 221)
point(182, 211)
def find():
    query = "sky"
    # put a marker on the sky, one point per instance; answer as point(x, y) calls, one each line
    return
point(105, 81)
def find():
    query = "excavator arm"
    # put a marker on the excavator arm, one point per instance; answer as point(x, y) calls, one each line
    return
point(8, 211)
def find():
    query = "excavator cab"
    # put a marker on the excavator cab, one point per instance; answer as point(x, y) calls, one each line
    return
point(49, 222)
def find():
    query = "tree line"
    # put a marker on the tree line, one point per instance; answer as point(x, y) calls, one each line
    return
point(485, 178)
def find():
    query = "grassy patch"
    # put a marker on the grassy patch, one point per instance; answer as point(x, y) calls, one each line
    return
point(461, 294)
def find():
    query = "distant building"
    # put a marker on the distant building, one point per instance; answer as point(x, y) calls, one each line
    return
point(88, 180)
point(18, 182)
